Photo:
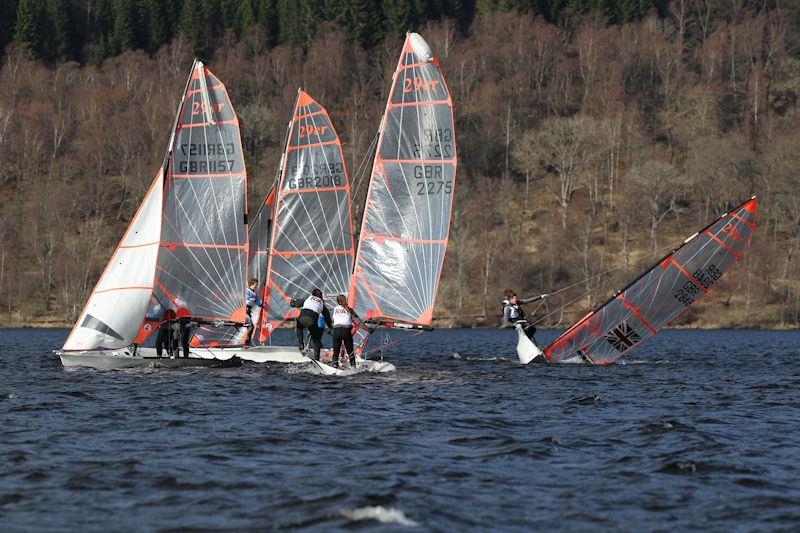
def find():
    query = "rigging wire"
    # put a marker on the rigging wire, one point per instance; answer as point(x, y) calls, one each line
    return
point(360, 173)
point(590, 278)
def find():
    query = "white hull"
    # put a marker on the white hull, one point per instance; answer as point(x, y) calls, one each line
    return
point(527, 351)
point(256, 354)
point(363, 365)
point(144, 358)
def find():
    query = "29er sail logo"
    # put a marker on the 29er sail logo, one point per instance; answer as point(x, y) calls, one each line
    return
point(622, 337)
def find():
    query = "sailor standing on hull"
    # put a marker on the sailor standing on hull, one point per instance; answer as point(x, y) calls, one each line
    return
point(252, 300)
point(343, 330)
point(513, 313)
point(311, 309)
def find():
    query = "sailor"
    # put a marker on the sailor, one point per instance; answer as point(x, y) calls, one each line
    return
point(184, 335)
point(252, 300)
point(513, 313)
point(166, 333)
point(343, 317)
point(311, 309)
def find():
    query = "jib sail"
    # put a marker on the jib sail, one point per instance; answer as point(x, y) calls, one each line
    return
point(113, 314)
point(312, 242)
point(406, 220)
point(659, 295)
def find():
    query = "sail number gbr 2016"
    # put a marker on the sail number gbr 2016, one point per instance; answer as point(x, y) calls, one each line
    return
point(690, 290)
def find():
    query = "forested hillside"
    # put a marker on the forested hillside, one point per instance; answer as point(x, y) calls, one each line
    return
point(592, 135)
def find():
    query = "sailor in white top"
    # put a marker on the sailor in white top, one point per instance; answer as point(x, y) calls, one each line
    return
point(311, 310)
point(343, 330)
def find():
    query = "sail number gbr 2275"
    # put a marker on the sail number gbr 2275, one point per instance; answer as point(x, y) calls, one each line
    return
point(429, 179)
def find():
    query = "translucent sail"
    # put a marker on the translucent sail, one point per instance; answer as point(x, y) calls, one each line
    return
point(113, 314)
point(202, 264)
point(312, 235)
point(406, 221)
point(659, 295)
point(257, 261)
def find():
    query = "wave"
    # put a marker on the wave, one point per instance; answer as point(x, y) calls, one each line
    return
point(378, 513)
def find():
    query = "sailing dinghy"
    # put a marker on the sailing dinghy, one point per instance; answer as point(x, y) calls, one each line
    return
point(301, 238)
point(185, 250)
point(406, 221)
point(655, 298)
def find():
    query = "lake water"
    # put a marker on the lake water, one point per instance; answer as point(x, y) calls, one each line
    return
point(697, 429)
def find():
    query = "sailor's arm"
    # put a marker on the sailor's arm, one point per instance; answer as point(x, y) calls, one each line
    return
point(533, 298)
point(326, 315)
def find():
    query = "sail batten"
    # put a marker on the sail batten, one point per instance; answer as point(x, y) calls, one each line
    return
point(661, 294)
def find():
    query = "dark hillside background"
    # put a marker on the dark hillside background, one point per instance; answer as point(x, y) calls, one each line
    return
point(592, 134)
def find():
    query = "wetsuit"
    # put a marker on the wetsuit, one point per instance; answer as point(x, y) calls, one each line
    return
point(184, 335)
point(343, 333)
point(165, 338)
point(310, 310)
point(513, 313)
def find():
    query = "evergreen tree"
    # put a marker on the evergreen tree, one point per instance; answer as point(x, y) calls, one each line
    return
point(123, 36)
point(246, 19)
point(191, 24)
point(397, 15)
point(8, 13)
point(60, 15)
point(361, 19)
point(28, 25)
point(267, 18)
point(158, 28)
point(297, 21)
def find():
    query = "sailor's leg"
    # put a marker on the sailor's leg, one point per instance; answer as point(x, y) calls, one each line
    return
point(250, 327)
point(185, 337)
point(300, 336)
point(530, 329)
point(160, 341)
point(337, 346)
point(348, 344)
point(316, 339)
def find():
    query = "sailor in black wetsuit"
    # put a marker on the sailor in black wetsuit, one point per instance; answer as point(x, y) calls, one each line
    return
point(310, 310)
point(513, 313)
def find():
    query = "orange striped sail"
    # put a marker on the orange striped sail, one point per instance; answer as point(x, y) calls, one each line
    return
point(312, 242)
point(202, 262)
point(406, 221)
point(659, 295)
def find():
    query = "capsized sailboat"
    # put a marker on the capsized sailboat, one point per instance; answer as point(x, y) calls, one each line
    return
point(406, 221)
point(655, 298)
point(184, 254)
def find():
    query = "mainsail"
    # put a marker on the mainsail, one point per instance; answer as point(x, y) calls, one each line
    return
point(202, 263)
point(406, 221)
point(659, 295)
point(186, 247)
point(312, 234)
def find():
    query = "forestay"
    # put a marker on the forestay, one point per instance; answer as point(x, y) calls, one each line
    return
point(659, 295)
point(312, 236)
point(406, 221)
